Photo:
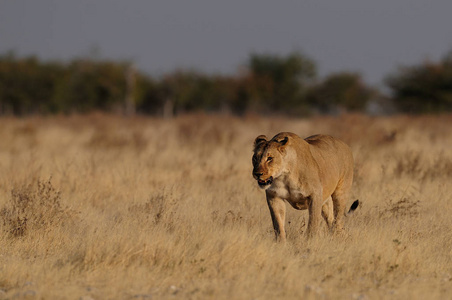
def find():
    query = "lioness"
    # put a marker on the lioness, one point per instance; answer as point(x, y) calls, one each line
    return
point(315, 173)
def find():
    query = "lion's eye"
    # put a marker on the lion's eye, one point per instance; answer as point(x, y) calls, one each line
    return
point(269, 159)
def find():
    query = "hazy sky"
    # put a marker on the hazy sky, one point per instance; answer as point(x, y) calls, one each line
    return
point(370, 37)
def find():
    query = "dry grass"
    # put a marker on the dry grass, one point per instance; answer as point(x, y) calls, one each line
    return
point(103, 207)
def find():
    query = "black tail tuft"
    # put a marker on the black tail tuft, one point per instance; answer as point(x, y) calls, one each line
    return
point(354, 206)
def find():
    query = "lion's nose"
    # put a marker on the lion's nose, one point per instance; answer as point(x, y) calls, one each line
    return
point(258, 174)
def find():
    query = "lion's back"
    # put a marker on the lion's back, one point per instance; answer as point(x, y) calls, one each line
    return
point(328, 145)
point(332, 154)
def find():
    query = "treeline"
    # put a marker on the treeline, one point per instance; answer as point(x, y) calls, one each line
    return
point(266, 84)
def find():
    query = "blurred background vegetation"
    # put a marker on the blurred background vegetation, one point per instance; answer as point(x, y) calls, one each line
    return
point(266, 84)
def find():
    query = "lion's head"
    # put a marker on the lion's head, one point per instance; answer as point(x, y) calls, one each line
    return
point(268, 159)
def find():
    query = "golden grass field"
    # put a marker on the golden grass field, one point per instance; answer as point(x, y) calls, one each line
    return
point(106, 207)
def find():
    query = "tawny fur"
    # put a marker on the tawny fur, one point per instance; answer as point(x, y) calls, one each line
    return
point(315, 173)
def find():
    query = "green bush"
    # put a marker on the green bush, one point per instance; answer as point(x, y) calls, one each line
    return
point(340, 92)
point(267, 84)
point(424, 88)
point(278, 84)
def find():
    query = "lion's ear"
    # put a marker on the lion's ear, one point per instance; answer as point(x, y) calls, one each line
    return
point(283, 141)
point(259, 140)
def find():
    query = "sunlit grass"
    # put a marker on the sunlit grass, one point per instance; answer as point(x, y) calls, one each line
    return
point(133, 208)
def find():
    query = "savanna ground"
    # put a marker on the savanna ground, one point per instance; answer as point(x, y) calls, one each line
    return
point(105, 207)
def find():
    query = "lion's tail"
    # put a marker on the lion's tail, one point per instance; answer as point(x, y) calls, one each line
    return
point(354, 206)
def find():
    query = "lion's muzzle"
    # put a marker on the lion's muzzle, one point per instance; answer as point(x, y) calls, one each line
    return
point(258, 175)
point(263, 183)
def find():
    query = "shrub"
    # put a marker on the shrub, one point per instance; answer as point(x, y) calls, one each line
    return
point(34, 207)
point(340, 92)
point(425, 88)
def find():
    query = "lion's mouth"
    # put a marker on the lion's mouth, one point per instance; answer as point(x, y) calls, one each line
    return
point(265, 182)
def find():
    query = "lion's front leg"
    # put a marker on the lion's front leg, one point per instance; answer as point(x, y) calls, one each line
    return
point(278, 213)
point(315, 214)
